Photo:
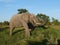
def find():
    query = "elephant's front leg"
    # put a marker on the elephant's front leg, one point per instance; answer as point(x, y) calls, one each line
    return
point(27, 33)
point(27, 30)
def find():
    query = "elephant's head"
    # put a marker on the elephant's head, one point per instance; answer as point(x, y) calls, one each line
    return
point(34, 20)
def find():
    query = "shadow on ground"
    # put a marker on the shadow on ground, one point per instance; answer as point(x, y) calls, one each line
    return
point(44, 42)
point(58, 41)
point(17, 31)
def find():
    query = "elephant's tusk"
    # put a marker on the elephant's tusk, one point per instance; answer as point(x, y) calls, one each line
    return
point(38, 23)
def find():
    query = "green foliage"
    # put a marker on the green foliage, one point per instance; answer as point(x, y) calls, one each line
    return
point(1, 23)
point(39, 36)
point(44, 19)
point(22, 11)
point(55, 21)
point(4, 25)
point(6, 22)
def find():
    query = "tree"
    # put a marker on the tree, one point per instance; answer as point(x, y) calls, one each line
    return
point(22, 11)
point(44, 19)
point(6, 22)
point(55, 21)
point(0, 23)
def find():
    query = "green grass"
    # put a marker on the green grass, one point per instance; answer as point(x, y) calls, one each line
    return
point(40, 36)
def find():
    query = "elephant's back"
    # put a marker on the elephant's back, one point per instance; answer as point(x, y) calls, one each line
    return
point(16, 20)
point(17, 17)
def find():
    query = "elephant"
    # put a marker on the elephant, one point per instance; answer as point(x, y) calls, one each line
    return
point(22, 20)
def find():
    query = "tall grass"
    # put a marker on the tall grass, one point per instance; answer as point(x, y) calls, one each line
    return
point(40, 36)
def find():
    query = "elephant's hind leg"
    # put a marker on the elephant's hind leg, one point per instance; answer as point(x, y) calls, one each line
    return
point(11, 30)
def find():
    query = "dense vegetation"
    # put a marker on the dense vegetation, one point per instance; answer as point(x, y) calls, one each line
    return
point(40, 36)
point(49, 34)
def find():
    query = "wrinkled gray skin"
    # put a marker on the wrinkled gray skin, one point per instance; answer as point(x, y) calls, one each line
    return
point(21, 20)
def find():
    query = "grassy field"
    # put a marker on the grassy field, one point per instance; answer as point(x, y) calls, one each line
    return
point(40, 36)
